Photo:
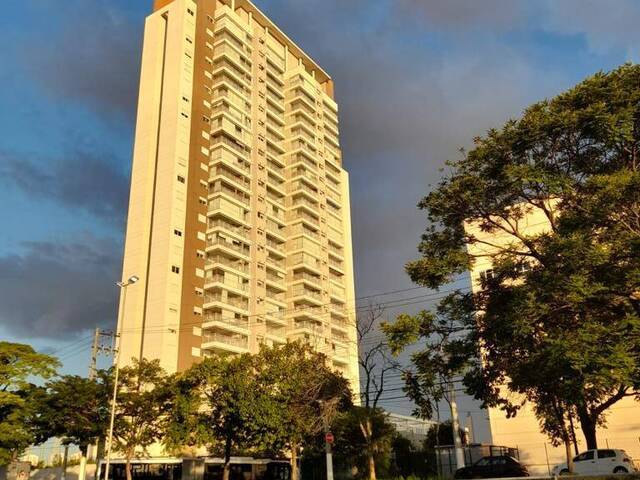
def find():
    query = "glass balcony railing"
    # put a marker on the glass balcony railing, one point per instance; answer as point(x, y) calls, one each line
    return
point(228, 320)
point(220, 260)
point(236, 341)
point(238, 303)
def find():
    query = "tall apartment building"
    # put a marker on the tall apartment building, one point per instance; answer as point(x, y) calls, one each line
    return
point(239, 218)
point(523, 431)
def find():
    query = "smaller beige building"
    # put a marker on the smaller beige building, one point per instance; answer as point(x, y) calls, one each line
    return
point(623, 422)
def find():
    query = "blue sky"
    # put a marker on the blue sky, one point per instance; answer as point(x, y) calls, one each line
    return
point(415, 80)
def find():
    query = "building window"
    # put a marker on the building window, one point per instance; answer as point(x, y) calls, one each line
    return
point(175, 269)
point(177, 232)
point(190, 12)
point(205, 119)
point(180, 178)
point(189, 40)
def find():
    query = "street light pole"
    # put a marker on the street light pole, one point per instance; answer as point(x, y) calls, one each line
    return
point(116, 338)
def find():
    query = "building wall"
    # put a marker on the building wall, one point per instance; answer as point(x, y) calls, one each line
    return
point(239, 223)
point(623, 423)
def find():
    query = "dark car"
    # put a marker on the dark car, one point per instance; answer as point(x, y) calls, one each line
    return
point(498, 466)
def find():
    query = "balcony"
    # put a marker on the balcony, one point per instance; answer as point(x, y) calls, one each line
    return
point(226, 320)
point(305, 244)
point(275, 295)
point(300, 229)
point(225, 207)
point(231, 39)
point(223, 156)
point(235, 145)
point(276, 262)
point(303, 172)
point(240, 61)
point(337, 292)
point(221, 107)
point(227, 61)
point(275, 167)
point(303, 215)
point(239, 180)
point(314, 327)
point(299, 158)
point(213, 242)
point(303, 133)
point(336, 263)
point(306, 277)
point(219, 187)
point(277, 246)
point(275, 228)
point(303, 187)
point(228, 281)
point(303, 145)
point(241, 303)
point(219, 260)
point(239, 230)
point(334, 196)
point(298, 106)
point(233, 98)
point(219, 341)
point(304, 259)
point(336, 249)
point(275, 198)
point(303, 291)
point(304, 202)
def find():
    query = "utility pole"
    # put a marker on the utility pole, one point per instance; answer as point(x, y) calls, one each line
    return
point(456, 427)
point(102, 344)
point(328, 440)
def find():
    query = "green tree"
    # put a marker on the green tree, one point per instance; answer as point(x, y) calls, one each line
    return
point(562, 303)
point(141, 408)
point(305, 391)
point(362, 449)
point(75, 409)
point(219, 403)
point(19, 365)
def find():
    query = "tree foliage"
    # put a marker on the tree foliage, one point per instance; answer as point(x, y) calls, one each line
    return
point(558, 321)
point(141, 406)
point(73, 408)
point(19, 365)
point(219, 404)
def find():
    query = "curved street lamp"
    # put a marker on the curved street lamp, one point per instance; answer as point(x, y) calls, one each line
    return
point(123, 286)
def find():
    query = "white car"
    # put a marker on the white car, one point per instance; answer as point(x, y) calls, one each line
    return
point(598, 462)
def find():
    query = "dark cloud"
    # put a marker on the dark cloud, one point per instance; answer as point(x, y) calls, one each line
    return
point(461, 14)
point(79, 180)
point(92, 58)
point(55, 288)
point(407, 103)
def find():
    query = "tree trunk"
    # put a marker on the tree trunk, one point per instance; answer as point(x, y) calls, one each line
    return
point(588, 425)
point(294, 461)
point(227, 458)
point(567, 450)
point(83, 463)
point(127, 468)
point(367, 432)
point(372, 466)
point(572, 430)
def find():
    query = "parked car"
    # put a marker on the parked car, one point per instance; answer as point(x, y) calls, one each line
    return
point(598, 462)
point(498, 466)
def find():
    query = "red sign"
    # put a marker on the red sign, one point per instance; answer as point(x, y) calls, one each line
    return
point(329, 437)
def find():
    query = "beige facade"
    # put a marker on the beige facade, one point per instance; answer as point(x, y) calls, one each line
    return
point(239, 218)
point(623, 422)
